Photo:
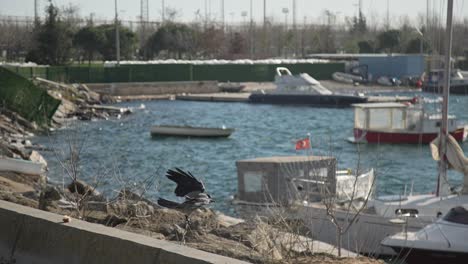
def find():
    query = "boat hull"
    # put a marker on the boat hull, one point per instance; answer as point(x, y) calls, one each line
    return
point(461, 89)
point(363, 236)
point(302, 99)
point(361, 135)
point(176, 131)
point(415, 255)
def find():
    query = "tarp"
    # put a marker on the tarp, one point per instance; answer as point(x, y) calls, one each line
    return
point(455, 158)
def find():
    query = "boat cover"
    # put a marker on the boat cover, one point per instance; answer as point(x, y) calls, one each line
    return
point(455, 157)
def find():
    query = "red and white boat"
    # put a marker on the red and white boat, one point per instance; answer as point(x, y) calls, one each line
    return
point(400, 123)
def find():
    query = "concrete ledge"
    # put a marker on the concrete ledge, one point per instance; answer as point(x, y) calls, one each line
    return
point(154, 88)
point(34, 236)
point(216, 97)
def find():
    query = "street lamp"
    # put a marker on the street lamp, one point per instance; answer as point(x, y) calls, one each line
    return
point(285, 11)
point(117, 38)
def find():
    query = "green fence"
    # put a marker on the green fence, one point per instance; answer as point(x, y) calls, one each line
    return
point(22, 96)
point(176, 72)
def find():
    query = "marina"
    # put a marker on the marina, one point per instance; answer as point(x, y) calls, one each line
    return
point(261, 130)
point(339, 138)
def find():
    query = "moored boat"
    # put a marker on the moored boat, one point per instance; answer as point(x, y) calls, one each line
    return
point(400, 123)
point(302, 89)
point(441, 242)
point(189, 131)
point(434, 82)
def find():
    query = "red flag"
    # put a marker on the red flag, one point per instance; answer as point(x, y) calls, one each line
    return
point(303, 144)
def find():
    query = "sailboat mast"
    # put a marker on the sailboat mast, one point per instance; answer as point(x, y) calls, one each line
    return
point(444, 126)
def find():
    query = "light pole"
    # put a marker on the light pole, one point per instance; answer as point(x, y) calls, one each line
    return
point(285, 11)
point(117, 37)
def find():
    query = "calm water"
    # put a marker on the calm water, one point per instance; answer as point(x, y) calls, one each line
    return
point(124, 151)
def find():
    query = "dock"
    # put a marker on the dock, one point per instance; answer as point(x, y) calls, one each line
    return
point(244, 98)
point(216, 97)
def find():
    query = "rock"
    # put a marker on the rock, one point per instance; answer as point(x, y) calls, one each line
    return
point(36, 157)
point(140, 209)
point(47, 196)
point(96, 206)
point(51, 193)
point(127, 194)
point(114, 220)
point(83, 188)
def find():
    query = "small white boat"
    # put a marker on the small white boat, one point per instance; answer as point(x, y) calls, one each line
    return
point(189, 131)
point(346, 78)
point(441, 242)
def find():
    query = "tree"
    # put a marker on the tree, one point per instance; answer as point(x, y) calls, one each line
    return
point(177, 39)
point(359, 24)
point(414, 46)
point(89, 39)
point(366, 46)
point(237, 44)
point(53, 40)
point(107, 48)
point(389, 40)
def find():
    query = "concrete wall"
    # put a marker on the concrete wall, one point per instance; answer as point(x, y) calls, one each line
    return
point(35, 236)
point(154, 88)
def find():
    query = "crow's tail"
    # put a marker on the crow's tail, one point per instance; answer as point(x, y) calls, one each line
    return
point(166, 203)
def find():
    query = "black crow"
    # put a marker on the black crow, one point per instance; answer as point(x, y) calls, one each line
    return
point(189, 187)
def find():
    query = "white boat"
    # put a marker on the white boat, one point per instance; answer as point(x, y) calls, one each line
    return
point(347, 78)
point(401, 123)
point(433, 82)
point(303, 82)
point(441, 242)
point(21, 166)
point(387, 81)
point(446, 238)
point(189, 131)
point(302, 89)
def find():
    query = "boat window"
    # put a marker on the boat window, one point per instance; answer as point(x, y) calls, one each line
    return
point(253, 181)
point(360, 118)
point(407, 212)
point(457, 215)
point(380, 118)
point(413, 119)
point(398, 119)
point(318, 172)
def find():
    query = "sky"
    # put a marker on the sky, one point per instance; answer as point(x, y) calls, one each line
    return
point(310, 10)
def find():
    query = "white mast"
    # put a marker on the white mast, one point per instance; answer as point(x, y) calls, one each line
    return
point(442, 179)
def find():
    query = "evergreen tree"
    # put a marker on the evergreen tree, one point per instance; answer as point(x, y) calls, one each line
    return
point(53, 40)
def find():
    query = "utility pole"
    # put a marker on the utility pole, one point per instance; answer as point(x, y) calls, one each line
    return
point(206, 14)
point(294, 28)
point(251, 31)
point(388, 16)
point(36, 11)
point(427, 15)
point(144, 17)
point(117, 37)
point(222, 15)
point(163, 11)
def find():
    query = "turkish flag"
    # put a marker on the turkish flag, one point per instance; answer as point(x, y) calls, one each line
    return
point(303, 144)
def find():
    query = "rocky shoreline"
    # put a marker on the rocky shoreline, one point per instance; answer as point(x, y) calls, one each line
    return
point(260, 240)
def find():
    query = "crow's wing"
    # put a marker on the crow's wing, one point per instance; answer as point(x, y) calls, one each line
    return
point(186, 182)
